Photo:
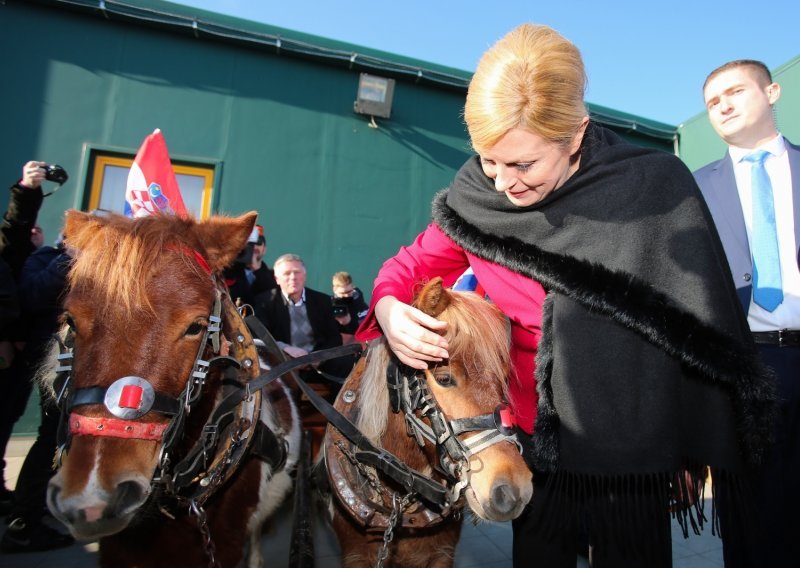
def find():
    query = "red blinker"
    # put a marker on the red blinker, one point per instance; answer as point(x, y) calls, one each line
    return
point(131, 396)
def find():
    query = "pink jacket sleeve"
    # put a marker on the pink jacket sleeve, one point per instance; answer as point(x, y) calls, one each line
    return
point(431, 254)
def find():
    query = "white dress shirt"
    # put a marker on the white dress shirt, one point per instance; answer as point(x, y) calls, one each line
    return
point(787, 314)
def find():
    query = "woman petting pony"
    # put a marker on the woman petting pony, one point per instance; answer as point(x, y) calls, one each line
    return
point(633, 365)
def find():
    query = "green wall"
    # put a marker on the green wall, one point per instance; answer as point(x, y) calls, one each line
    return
point(281, 128)
point(699, 144)
point(277, 122)
point(327, 186)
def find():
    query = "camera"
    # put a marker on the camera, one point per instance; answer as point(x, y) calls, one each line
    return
point(340, 306)
point(55, 173)
point(245, 256)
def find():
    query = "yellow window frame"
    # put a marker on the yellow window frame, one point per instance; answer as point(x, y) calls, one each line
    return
point(101, 161)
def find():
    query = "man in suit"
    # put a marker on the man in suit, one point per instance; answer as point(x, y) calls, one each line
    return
point(755, 183)
point(300, 319)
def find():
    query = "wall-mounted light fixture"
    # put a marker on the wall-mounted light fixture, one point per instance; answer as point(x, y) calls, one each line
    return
point(374, 96)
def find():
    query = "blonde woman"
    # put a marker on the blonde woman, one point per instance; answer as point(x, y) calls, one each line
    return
point(634, 369)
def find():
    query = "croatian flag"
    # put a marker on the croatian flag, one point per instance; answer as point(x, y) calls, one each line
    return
point(468, 282)
point(152, 186)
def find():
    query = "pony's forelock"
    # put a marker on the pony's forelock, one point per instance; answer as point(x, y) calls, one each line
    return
point(107, 251)
point(477, 335)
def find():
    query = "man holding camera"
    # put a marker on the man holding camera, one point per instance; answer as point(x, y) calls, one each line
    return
point(249, 275)
point(349, 306)
point(19, 236)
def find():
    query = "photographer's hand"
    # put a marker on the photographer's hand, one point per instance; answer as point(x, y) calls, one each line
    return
point(32, 175)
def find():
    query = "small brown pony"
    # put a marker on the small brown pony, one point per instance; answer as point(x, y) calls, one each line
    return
point(168, 458)
point(428, 421)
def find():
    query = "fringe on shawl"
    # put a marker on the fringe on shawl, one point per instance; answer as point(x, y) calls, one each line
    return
point(614, 510)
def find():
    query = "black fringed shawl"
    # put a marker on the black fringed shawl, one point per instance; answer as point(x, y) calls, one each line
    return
point(646, 365)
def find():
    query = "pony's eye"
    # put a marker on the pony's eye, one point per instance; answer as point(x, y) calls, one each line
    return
point(69, 321)
point(445, 380)
point(194, 329)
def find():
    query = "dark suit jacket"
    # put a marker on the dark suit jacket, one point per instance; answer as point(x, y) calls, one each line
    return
point(273, 311)
point(718, 184)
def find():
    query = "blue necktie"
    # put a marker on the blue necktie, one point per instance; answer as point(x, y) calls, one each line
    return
point(767, 290)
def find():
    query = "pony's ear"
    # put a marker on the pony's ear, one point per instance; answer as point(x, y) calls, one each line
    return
point(433, 299)
point(75, 221)
point(225, 237)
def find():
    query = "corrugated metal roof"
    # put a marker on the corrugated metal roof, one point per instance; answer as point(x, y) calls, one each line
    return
point(212, 26)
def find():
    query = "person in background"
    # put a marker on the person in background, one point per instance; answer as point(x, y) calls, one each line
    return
point(633, 365)
point(16, 231)
point(42, 285)
point(300, 318)
point(753, 194)
point(349, 306)
point(27, 531)
point(250, 275)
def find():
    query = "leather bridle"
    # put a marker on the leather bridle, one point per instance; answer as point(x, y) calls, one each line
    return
point(409, 393)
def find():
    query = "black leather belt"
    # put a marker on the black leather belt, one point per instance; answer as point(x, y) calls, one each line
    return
point(781, 338)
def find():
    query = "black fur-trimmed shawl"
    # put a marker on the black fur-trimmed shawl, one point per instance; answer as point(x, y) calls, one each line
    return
point(646, 365)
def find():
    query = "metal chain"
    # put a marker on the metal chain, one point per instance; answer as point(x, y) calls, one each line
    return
point(202, 523)
point(219, 474)
point(398, 505)
point(367, 472)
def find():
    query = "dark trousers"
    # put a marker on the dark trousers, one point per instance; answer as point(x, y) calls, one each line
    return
point(619, 535)
point(16, 389)
point(37, 469)
point(776, 538)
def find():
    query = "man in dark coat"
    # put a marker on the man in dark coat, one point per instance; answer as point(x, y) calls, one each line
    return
point(300, 319)
point(249, 275)
point(15, 246)
point(40, 275)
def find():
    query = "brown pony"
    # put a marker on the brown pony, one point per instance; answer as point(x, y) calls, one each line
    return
point(168, 457)
point(428, 421)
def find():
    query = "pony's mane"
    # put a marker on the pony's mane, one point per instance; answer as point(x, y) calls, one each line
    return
point(478, 337)
point(114, 256)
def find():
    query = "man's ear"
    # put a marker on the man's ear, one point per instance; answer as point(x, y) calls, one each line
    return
point(773, 93)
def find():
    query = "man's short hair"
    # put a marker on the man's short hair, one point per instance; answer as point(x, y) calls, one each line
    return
point(761, 72)
point(289, 257)
point(342, 278)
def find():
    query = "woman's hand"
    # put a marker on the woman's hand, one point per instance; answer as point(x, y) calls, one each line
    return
point(413, 335)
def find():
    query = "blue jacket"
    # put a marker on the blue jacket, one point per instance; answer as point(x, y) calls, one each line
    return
point(718, 185)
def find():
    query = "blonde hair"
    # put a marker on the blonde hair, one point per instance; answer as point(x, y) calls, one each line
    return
point(342, 278)
point(532, 78)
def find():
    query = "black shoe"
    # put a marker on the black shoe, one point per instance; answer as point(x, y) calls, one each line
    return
point(21, 537)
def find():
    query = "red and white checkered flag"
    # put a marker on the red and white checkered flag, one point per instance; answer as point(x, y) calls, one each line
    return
point(152, 186)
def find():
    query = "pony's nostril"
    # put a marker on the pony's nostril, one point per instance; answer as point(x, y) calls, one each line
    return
point(128, 495)
point(504, 498)
point(52, 499)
